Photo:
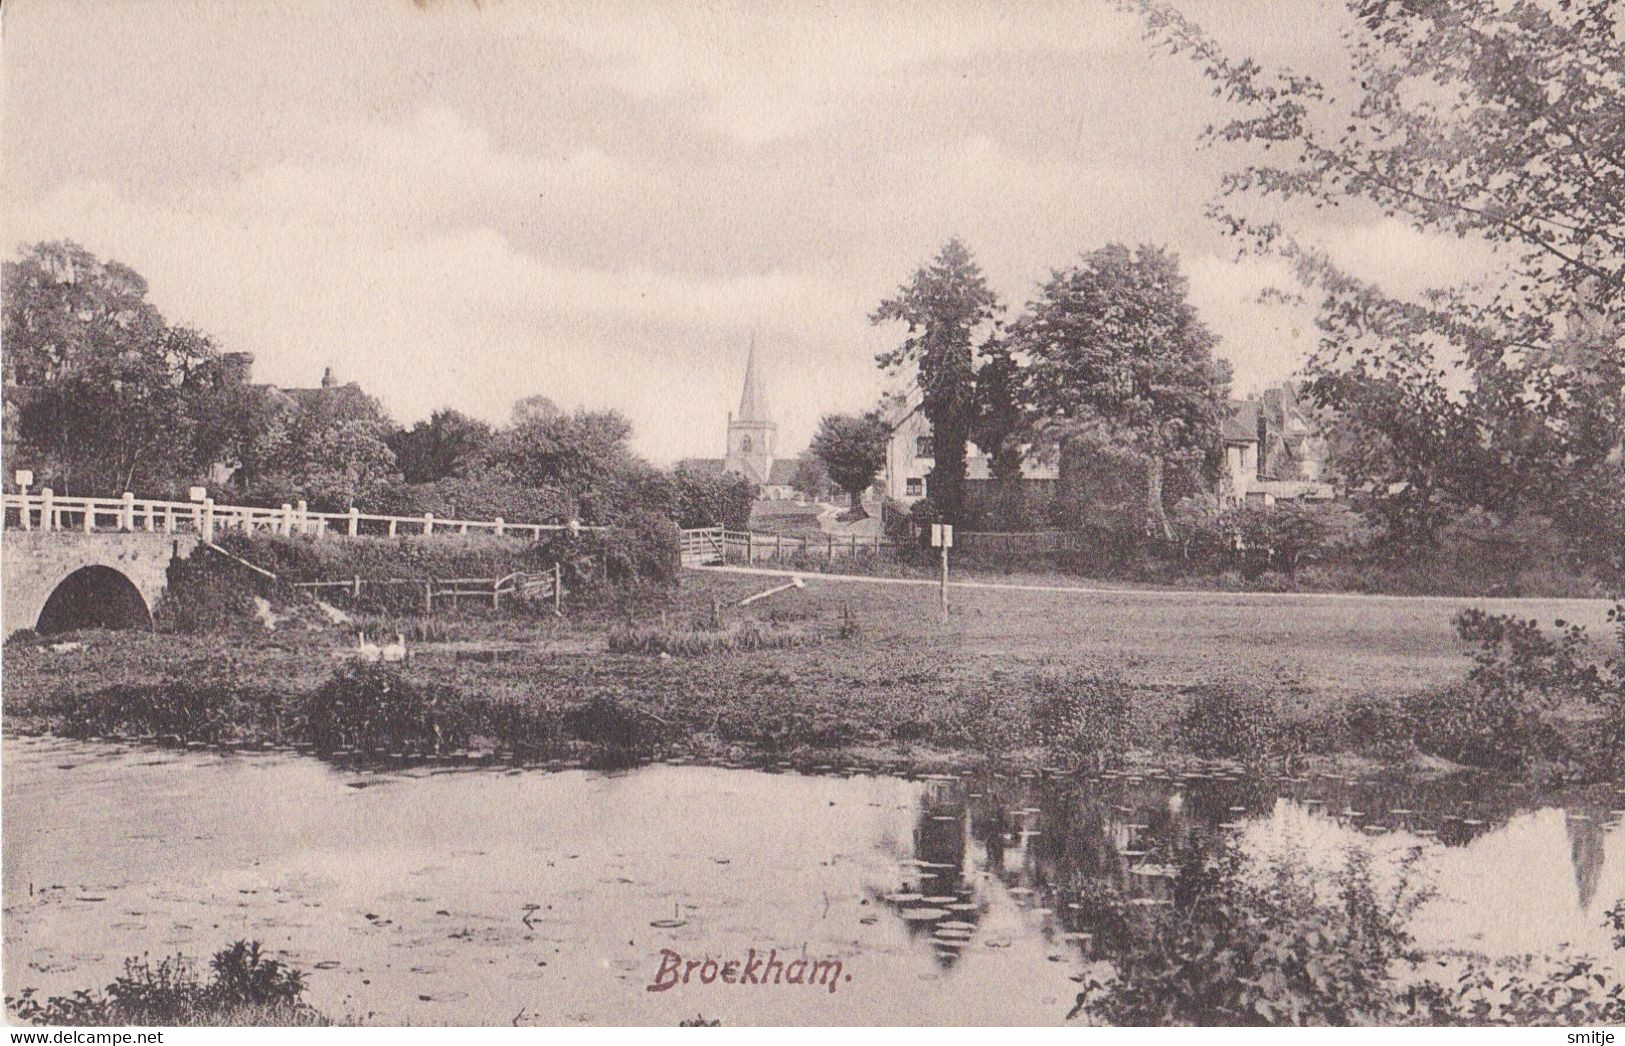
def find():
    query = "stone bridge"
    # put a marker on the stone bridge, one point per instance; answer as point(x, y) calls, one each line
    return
point(54, 581)
point(85, 562)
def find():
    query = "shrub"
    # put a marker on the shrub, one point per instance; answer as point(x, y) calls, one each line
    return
point(1522, 685)
point(613, 722)
point(993, 720)
point(206, 592)
point(1280, 945)
point(1082, 717)
point(685, 642)
point(1379, 727)
point(1481, 727)
point(204, 700)
point(1250, 725)
point(1244, 946)
point(246, 987)
point(645, 549)
point(371, 708)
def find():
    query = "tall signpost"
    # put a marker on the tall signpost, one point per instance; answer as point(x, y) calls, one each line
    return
point(942, 537)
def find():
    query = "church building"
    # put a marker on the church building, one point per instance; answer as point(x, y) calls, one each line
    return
point(752, 442)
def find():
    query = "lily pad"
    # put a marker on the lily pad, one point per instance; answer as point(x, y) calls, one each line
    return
point(922, 915)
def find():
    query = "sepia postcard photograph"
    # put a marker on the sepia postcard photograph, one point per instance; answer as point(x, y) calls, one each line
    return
point(1078, 514)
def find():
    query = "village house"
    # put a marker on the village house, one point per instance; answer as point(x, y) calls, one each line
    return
point(909, 460)
point(1274, 450)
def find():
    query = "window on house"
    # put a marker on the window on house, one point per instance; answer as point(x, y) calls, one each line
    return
point(914, 487)
point(922, 446)
point(744, 444)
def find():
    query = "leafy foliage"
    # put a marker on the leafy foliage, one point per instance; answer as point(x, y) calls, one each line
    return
point(1117, 352)
point(245, 986)
point(374, 708)
point(945, 308)
point(101, 393)
point(1490, 123)
point(853, 450)
point(442, 446)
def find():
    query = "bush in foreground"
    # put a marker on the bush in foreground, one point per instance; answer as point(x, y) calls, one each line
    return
point(245, 987)
point(1275, 942)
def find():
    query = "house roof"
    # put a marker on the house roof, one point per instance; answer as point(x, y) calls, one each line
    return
point(1242, 424)
point(703, 466)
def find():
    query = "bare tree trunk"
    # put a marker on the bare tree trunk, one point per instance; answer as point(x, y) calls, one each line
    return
point(1156, 514)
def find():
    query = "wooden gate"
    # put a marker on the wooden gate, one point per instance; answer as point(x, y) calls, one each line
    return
point(702, 547)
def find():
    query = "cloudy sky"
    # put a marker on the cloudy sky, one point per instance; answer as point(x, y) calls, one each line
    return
point(461, 204)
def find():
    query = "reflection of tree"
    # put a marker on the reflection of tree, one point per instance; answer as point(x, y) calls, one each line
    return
point(1105, 854)
point(1586, 839)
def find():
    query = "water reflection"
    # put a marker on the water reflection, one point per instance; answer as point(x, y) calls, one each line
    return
point(440, 892)
point(1066, 851)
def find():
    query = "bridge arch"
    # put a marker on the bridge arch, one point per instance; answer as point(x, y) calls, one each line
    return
point(93, 596)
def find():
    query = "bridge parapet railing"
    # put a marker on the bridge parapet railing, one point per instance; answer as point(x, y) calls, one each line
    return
point(46, 511)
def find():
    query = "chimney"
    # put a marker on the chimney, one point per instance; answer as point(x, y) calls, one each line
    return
point(237, 366)
point(1263, 440)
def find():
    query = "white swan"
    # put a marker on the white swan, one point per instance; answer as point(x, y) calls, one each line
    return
point(366, 649)
point(395, 651)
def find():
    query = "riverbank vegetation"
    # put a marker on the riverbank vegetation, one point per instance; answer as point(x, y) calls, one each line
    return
point(867, 671)
point(244, 988)
point(1276, 942)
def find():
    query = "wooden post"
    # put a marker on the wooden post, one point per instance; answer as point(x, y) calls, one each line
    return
point(151, 511)
point(355, 521)
point(463, 529)
point(304, 517)
point(355, 587)
point(428, 596)
point(428, 522)
point(945, 583)
point(126, 512)
point(47, 513)
point(392, 527)
point(284, 523)
point(169, 519)
point(90, 515)
point(208, 520)
point(558, 586)
point(750, 548)
point(497, 526)
point(23, 516)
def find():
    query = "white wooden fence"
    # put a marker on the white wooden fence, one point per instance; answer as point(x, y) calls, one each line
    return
point(45, 511)
point(713, 545)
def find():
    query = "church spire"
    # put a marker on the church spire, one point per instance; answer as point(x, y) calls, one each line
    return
point(751, 405)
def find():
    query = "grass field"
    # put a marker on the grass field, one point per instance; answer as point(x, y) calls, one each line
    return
point(835, 666)
point(1328, 644)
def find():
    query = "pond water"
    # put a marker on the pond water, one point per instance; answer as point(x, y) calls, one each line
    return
point(436, 895)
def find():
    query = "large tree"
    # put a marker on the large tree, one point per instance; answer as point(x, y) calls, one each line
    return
point(853, 450)
point(439, 447)
point(1117, 352)
point(97, 384)
point(1495, 123)
point(947, 309)
point(325, 446)
point(582, 454)
point(998, 420)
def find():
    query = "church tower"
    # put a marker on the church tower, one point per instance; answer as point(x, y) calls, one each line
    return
point(750, 434)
